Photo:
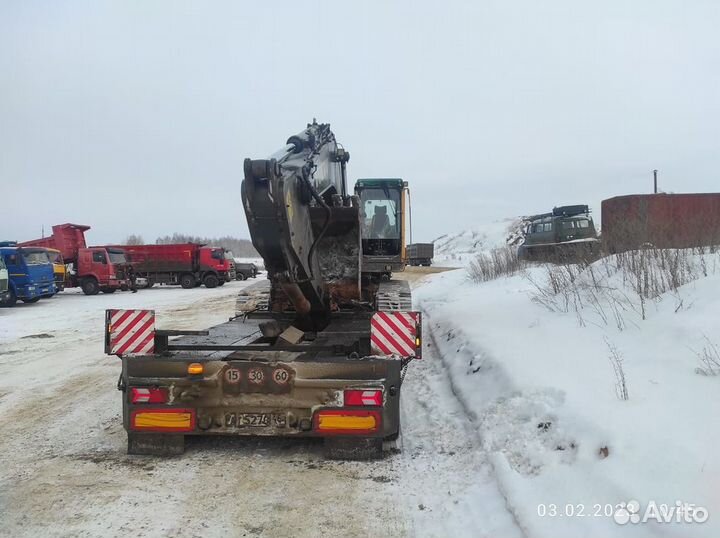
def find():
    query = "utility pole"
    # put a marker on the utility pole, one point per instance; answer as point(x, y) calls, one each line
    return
point(655, 180)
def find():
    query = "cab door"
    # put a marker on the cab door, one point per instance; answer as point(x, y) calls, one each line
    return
point(17, 272)
point(100, 266)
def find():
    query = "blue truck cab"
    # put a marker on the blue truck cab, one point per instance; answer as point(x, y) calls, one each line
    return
point(30, 273)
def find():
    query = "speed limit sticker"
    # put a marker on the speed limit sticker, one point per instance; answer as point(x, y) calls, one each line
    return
point(281, 376)
point(256, 375)
point(233, 375)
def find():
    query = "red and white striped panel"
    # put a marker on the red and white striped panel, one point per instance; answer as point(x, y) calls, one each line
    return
point(132, 332)
point(394, 334)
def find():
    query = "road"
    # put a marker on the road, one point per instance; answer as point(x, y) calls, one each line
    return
point(64, 471)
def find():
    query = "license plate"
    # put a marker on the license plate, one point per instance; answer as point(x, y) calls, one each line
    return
point(253, 420)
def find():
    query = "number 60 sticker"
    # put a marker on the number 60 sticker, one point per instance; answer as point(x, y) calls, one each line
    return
point(281, 376)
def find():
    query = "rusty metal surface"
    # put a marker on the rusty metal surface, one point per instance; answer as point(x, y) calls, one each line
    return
point(661, 220)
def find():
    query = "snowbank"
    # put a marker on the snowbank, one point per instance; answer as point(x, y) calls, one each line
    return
point(459, 249)
point(541, 387)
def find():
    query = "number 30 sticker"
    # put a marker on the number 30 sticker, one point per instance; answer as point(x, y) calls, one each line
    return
point(281, 376)
point(233, 375)
point(256, 375)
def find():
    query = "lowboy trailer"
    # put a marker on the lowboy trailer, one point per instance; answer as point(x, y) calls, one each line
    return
point(343, 385)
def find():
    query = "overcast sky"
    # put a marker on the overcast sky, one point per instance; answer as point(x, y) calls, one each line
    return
point(135, 117)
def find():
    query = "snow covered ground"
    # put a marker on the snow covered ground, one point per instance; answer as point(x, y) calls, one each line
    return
point(542, 391)
point(64, 470)
point(511, 425)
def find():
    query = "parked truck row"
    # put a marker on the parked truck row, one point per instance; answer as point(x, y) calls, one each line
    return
point(42, 267)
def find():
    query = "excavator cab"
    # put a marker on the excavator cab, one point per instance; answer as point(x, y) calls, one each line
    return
point(382, 217)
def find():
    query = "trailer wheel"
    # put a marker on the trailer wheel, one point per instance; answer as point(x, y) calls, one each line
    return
point(353, 448)
point(31, 301)
point(241, 276)
point(187, 281)
point(90, 286)
point(211, 281)
point(155, 444)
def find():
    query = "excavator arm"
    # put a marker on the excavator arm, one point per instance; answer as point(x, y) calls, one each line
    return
point(293, 203)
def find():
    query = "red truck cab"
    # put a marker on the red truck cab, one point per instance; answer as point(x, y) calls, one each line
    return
point(213, 259)
point(101, 269)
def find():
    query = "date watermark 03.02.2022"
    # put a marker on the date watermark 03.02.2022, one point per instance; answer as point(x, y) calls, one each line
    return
point(632, 512)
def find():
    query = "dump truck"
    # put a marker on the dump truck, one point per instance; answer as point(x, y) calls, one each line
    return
point(660, 220)
point(30, 273)
point(565, 235)
point(94, 269)
point(420, 254)
point(316, 350)
point(383, 207)
point(185, 264)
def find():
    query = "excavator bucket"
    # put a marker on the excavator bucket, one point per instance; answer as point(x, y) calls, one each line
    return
point(339, 253)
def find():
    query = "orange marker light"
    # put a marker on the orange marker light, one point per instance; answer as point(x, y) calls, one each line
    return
point(195, 368)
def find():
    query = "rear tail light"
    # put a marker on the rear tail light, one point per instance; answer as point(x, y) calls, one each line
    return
point(346, 422)
point(163, 420)
point(152, 395)
point(357, 397)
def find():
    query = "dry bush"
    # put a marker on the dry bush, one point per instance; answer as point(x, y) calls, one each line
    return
point(621, 284)
point(495, 264)
point(616, 359)
point(709, 358)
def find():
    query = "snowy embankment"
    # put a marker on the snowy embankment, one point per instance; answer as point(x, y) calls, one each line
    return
point(459, 249)
point(534, 360)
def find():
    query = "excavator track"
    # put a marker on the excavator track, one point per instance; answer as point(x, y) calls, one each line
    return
point(394, 295)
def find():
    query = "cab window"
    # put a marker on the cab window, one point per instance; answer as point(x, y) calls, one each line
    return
point(380, 213)
point(98, 256)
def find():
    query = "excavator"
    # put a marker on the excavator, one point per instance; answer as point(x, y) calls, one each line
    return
point(319, 349)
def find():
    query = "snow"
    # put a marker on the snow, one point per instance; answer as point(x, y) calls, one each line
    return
point(512, 410)
point(542, 392)
point(459, 249)
point(64, 470)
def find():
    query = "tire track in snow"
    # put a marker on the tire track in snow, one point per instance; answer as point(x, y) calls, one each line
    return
point(445, 477)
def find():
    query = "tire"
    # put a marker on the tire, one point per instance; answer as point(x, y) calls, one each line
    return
point(353, 448)
point(11, 299)
point(90, 286)
point(187, 281)
point(108, 290)
point(241, 276)
point(396, 435)
point(211, 281)
point(149, 284)
point(221, 283)
point(31, 301)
